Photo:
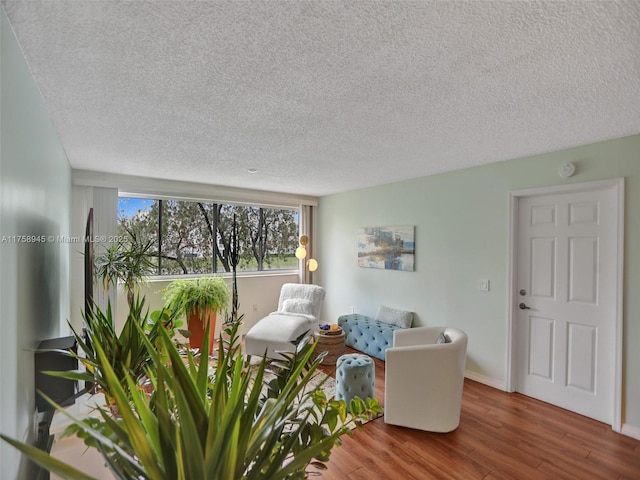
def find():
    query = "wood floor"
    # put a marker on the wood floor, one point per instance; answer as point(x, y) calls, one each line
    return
point(501, 436)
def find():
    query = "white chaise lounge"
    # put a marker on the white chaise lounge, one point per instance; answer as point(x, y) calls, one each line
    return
point(298, 312)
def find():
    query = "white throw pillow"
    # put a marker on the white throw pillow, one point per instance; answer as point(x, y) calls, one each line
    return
point(297, 305)
point(393, 316)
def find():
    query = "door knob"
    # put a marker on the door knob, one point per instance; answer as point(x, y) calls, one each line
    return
point(522, 306)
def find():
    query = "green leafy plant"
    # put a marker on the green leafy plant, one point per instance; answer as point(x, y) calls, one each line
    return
point(129, 262)
point(219, 424)
point(184, 296)
point(325, 415)
point(126, 353)
point(199, 300)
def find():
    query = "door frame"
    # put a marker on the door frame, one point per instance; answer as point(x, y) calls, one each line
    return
point(617, 185)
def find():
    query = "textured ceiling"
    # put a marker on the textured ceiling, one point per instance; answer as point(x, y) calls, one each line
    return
point(325, 96)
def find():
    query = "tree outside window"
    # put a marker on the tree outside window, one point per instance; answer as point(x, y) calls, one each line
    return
point(195, 237)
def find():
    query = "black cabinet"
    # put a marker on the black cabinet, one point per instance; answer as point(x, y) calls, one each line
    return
point(60, 390)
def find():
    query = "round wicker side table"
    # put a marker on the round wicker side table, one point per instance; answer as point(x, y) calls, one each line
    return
point(331, 342)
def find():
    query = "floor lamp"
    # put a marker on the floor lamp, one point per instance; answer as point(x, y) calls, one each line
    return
point(310, 264)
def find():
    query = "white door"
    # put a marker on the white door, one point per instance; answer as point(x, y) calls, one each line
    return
point(566, 300)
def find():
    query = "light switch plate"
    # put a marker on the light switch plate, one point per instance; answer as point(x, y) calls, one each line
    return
point(483, 285)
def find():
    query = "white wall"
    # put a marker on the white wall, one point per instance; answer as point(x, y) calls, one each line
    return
point(104, 202)
point(35, 186)
point(461, 221)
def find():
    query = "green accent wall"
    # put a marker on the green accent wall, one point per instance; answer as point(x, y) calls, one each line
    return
point(35, 200)
point(462, 235)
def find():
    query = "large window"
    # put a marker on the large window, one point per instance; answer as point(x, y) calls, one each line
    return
point(186, 237)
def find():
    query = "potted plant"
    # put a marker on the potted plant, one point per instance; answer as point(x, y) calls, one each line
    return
point(219, 425)
point(199, 300)
point(233, 318)
point(128, 262)
point(126, 353)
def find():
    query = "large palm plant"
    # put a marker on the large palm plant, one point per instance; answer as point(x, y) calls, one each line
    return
point(126, 353)
point(218, 424)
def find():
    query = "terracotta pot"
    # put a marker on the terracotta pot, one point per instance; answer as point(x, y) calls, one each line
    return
point(197, 328)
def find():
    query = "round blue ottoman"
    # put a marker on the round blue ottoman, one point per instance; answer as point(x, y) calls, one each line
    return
point(355, 377)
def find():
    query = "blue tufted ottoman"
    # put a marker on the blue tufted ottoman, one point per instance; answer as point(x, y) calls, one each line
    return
point(355, 377)
point(366, 334)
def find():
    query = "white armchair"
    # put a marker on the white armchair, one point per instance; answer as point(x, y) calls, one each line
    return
point(299, 308)
point(424, 379)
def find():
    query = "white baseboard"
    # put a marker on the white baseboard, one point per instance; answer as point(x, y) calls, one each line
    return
point(491, 382)
point(630, 431)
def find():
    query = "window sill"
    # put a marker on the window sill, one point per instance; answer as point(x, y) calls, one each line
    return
point(265, 273)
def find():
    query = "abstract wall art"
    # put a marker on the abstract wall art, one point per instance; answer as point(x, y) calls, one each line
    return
point(390, 248)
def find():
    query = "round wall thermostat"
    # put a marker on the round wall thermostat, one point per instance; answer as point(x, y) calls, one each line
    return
point(566, 170)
